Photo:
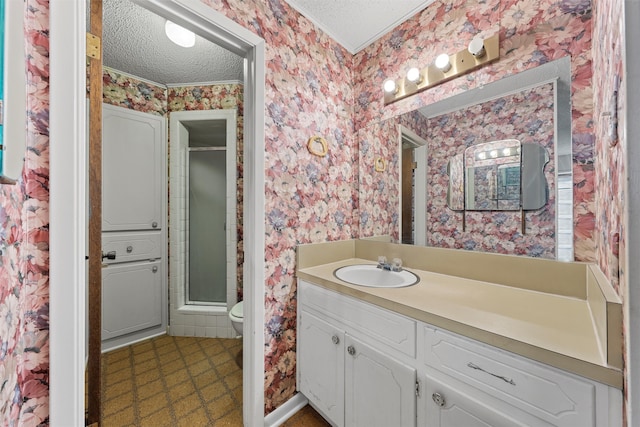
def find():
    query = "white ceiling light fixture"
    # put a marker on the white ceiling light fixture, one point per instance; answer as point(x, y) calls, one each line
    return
point(179, 35)
point(443, 62)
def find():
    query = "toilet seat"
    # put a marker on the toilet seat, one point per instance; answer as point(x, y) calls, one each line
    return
point(237, 310)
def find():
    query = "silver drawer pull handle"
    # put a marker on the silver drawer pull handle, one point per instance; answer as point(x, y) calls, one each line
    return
point(129, 249)
point(154, 269)
point(505, 379)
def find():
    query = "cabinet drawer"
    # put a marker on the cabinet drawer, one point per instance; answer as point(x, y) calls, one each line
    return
point(132, 246)
point(554, 396)
point(383, 326)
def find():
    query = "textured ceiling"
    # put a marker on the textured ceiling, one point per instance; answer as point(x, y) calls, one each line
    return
point(135, 42)
point(355, 24)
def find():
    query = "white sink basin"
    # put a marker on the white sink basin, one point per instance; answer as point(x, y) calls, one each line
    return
point(372, 276)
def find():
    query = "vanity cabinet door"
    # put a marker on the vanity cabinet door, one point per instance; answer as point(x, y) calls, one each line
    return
point(379, 390)
point(452, 406)
point(321, 366)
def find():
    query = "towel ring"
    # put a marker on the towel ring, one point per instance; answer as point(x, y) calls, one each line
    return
point(317, 146)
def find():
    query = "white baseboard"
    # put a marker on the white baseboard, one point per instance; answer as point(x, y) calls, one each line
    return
point(286, 411)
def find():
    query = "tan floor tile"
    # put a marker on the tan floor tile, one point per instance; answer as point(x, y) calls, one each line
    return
point(213, 391)
point(228, 368)
point(204, 379)
point(220, 407)
point(149, 389)
point(200, 367)
point(198, 418)
point(153, 404)
point(221, 358)
point(172, 356)
point(119, 365)
point(186, 405)
point(177, 377)
point(122, 418)
point(233, 381)
point(181, 390)
point(117, 389)
point(144, 357)
point(112, 406)
point(232, 419)
point(160, 418)
point(118, 376)
point(142, 347)
point(195, 358)
point(146, 377)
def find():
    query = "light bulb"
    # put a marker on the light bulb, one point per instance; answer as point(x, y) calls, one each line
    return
point(506, 151)
point(482, 156)
point(494, 153)
point(413, 75)
point(476, 47)
point(390, 86)
point(179, 35)
point(443, 63)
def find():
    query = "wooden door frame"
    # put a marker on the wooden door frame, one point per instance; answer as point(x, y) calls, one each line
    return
point(68, 198)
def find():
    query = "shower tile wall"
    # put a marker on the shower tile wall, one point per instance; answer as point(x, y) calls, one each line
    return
point(137, 94)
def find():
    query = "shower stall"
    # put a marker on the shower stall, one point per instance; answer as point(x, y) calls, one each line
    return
point(203, 223)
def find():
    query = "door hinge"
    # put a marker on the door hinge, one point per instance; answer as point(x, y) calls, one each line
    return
point(93, 46)
point(417, 388)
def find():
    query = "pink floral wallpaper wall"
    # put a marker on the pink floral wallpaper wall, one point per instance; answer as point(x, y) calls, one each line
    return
point(532, 32)
point(24, 248)
point(527, 116)
point(308, 198)
point(130, 92)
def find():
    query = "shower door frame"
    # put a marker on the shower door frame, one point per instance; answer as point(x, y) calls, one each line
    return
point(179, 190)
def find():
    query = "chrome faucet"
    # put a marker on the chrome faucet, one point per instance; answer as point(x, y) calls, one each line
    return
point(395, 265)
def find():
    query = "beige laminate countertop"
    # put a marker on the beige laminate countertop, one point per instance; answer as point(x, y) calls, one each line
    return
point(553, 329)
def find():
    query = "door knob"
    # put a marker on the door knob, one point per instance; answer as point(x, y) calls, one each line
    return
point(438, 399)
point(109, 255)
point(335, 339)
point(351, 350)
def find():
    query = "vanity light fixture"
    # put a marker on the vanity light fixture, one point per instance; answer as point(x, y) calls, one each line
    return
point(443, 62)
point(480, 52)
point(179, 35)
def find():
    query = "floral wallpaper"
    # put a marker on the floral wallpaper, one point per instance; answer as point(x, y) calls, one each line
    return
point(123, 90)
point(315, 87)
point(527, 116)
point(532, 32)
point(24, 248)
point(131, 92)
point(308, 198)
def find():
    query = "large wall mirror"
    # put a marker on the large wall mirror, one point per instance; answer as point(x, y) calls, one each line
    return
point(528, 114)
point(13, 115)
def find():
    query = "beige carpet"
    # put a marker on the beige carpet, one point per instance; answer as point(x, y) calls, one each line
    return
point(179, 381)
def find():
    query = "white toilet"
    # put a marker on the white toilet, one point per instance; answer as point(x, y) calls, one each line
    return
point(236, 316)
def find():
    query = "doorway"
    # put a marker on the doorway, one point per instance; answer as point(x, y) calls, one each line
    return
point(68, 202)
point(203, 231)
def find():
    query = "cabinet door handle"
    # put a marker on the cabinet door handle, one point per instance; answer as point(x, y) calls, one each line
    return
point(109, 255)
point(351, 350)
point(335, 339)
point(478, 368)
point(129, 249)
point(154, 269)
point(154, 224)
point(438, 399)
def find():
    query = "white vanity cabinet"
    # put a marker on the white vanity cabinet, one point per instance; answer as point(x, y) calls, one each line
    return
point(349, 379)
point(362, 365)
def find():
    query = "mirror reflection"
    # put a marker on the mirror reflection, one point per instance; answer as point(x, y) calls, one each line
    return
point(511, 204)
point(492, 176)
